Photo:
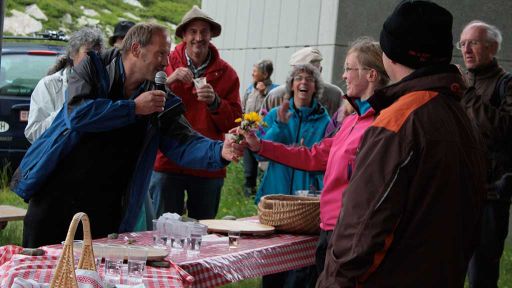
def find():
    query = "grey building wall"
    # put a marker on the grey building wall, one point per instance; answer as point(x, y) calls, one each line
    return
point(274, 29)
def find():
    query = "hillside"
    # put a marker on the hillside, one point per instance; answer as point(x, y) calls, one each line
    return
point(25, 17)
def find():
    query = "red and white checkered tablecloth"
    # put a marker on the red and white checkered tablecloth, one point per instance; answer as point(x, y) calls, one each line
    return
point(218, 265)
point(215, 265)
point(255, 257)
point(41, 268)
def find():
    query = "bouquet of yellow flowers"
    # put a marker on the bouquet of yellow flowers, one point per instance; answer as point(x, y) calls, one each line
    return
point(250, 122)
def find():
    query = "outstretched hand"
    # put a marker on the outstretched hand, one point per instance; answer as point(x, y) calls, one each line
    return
point(250, 141)
point(232, 151)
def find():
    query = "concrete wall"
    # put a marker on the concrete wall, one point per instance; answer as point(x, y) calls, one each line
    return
point(274, 29)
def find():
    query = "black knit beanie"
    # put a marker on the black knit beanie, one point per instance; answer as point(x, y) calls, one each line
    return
point(418, 34)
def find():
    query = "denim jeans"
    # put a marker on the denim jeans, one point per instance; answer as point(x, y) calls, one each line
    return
point(167, 191)
point(484, 267)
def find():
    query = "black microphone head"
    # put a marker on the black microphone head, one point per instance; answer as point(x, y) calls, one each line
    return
point(160, 77)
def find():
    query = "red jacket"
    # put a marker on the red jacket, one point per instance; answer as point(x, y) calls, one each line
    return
point(212, 124)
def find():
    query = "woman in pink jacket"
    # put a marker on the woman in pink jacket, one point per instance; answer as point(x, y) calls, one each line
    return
point(364, 72)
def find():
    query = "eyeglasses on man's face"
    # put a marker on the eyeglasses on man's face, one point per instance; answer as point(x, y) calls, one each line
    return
point(299, 78)
point(347, 69)
point(469, 43)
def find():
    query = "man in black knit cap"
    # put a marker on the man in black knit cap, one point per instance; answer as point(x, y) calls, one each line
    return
point(410, 214)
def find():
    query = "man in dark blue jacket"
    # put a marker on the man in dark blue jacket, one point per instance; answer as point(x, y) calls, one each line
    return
point(111, 113)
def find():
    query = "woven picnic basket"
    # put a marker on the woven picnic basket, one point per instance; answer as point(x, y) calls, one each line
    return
point(291, 214)
point(65, 276)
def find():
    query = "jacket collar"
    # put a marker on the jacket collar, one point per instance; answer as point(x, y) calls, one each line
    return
point(182, 58)
point(315, 110)
point(439, 78)
point(491, 70)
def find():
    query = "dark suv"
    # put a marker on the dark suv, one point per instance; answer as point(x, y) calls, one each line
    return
point(23, 65)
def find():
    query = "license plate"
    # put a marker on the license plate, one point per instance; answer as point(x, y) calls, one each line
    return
point(23, 116)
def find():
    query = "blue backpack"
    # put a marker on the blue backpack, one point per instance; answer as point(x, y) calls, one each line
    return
point(56, 142)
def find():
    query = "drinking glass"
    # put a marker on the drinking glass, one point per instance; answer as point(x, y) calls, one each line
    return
point(179, 234)
point(302, 193)
point(137, 257)
point(99, 253)
point(114, 256)
point(197, 230)
point(234, 238)
point(159, 237)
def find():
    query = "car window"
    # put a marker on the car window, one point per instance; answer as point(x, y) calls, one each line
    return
point(20, 73)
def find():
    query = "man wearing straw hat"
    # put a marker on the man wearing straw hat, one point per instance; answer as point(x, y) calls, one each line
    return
point(212, 105)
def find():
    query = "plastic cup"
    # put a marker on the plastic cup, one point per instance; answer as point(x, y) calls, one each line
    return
point(302, 193)
point(199, 82)
point(99, 253)
point(234, 238)
point(137, 257)
point(197, 231)
point(179, 234)
point(114, 256)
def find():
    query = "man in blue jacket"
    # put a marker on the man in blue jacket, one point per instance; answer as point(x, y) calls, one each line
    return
point(110, 120)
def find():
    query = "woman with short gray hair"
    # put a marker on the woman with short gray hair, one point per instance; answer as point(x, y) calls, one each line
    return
point(299, 121)
point(48, 96)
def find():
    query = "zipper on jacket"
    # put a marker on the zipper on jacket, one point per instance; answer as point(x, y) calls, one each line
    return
point(296, 141)
point(394, 179)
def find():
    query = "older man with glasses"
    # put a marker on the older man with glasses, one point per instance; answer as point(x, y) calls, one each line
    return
point(488, 102)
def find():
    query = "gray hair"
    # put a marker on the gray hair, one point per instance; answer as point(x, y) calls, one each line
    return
point(87, 36)
point(309, 69)
point(265, 66)
point(493, 33)
point(141, 33)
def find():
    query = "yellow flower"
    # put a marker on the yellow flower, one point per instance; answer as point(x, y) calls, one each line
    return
point(238, 120)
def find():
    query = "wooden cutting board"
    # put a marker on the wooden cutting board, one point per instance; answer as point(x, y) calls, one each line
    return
point(245, 227)
point(154, 254)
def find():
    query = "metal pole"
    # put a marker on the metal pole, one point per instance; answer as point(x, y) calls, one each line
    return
point(2, 12)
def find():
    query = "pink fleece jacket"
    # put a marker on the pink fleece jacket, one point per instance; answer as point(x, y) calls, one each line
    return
point(335, 155)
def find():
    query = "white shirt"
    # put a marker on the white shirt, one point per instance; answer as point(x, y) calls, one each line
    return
point(46, 101)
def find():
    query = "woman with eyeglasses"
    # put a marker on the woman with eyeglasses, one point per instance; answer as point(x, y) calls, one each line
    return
point(364, 72)
point(301, 121)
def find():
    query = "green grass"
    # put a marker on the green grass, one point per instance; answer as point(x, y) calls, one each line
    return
point(233, 203)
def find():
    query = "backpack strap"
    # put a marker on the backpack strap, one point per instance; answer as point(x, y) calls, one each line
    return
point(500, 89)
point(101, 74)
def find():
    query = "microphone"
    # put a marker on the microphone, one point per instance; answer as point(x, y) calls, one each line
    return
point(160, 79)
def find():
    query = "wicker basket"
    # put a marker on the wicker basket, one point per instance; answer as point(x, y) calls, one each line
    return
point(64, 276)
point(291, 214)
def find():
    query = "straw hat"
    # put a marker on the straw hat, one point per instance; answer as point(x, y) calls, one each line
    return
point(197, 14)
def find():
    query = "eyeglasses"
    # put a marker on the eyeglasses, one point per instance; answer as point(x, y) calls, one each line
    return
point(348, 69)
point(470, 43)
point(299, 78)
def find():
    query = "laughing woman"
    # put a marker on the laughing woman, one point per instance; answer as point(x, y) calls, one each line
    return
point(301, 121)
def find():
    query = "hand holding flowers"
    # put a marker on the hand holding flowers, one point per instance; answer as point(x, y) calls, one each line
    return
point(245, 133)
